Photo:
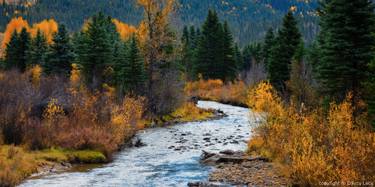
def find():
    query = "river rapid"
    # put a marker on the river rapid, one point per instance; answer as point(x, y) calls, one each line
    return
point(170, 157)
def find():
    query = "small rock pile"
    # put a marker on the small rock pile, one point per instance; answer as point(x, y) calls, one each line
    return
point(237, 168)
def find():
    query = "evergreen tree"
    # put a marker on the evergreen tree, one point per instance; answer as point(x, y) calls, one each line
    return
point(16, 51)
point(252, 54)
point(239, 59)
point(12, 58)
point(210, 62)
point(133, 72)
point(98, 48)
point(346, 43)
point(269, 42)
point(61, 55)
point(193, 37)
point(188, 52)
point(229, 68)
point(38, 49)
point(282, 52)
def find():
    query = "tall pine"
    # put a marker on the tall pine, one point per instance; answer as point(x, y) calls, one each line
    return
point(269, 42)
point(209, 61)
point(133, 71)
point(287, 40)
point(346, 41)
point(229, 67)
point(17, 49)
point(38, 50)
point(61, 55)
point(97, 50)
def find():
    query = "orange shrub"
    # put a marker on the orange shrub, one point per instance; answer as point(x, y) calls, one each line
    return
point(312, 146)
point(57, 113)
point(216, 90)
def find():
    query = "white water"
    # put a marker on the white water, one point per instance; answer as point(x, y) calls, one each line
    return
point(160, 164)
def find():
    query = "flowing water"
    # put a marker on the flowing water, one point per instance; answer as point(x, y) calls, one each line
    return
point(170, 157)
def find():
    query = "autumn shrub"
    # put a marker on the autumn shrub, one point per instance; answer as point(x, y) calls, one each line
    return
point(313, 146)
point(43, 112)
point(217, 90)
point(190, 112)
point(15, 165)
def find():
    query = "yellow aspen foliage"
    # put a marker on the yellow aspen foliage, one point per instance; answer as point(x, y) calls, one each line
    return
point(313, 146)
point(48, 27)
point(124, 29)
point(36, 72)
point(53, 110)
point(16, 24)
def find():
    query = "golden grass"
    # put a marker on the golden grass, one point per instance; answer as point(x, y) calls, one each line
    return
point(190, 112)
point(216, 90)
point(312, 146)
point(17, 163)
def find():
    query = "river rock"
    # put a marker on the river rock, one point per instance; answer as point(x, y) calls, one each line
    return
point(137, 142)
point(205, 184)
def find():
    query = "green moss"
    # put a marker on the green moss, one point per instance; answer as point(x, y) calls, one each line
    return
point(77, 156)
point(88, 156)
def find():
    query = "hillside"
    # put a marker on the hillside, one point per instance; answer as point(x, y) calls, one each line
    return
point(249, 19)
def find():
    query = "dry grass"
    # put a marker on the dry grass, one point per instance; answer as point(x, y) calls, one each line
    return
point(190, 112)
point(312, 146)
point(42, 113)
point(216, 90)
point(17, 163)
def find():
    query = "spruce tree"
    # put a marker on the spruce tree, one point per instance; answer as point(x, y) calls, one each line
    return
point(269, 42)
point(12, 58)
point(229, 67)
point(346, 43)
point(287, 41)
point(209, 61)
point(16, 51)
point(61, 55)
point(98, 48)
point(38, 49)
point(133, 71)
point(239, 59)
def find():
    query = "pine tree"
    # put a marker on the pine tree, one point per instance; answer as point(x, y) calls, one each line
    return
point(133, 71)
point(12, 58)
point(38, 50)
point(239, 59)
point(98, 46)
point(229, 67)
point(16, 51)
point(61, 55)
point(252, 55)
point(287, 41)
point(269, 42)
point(346, 43)
point(209, 61)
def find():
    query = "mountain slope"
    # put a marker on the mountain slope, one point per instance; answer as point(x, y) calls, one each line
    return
point(249, 19)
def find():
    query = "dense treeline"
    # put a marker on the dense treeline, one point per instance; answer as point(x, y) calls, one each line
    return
point(98, 50)
point(319, 98)
point(248, 19)
point(210, 52)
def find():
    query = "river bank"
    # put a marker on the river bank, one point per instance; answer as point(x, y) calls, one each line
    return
point(20, 163)
point(170, 155)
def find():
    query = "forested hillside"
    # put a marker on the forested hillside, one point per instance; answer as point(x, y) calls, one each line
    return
point(249, 19)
